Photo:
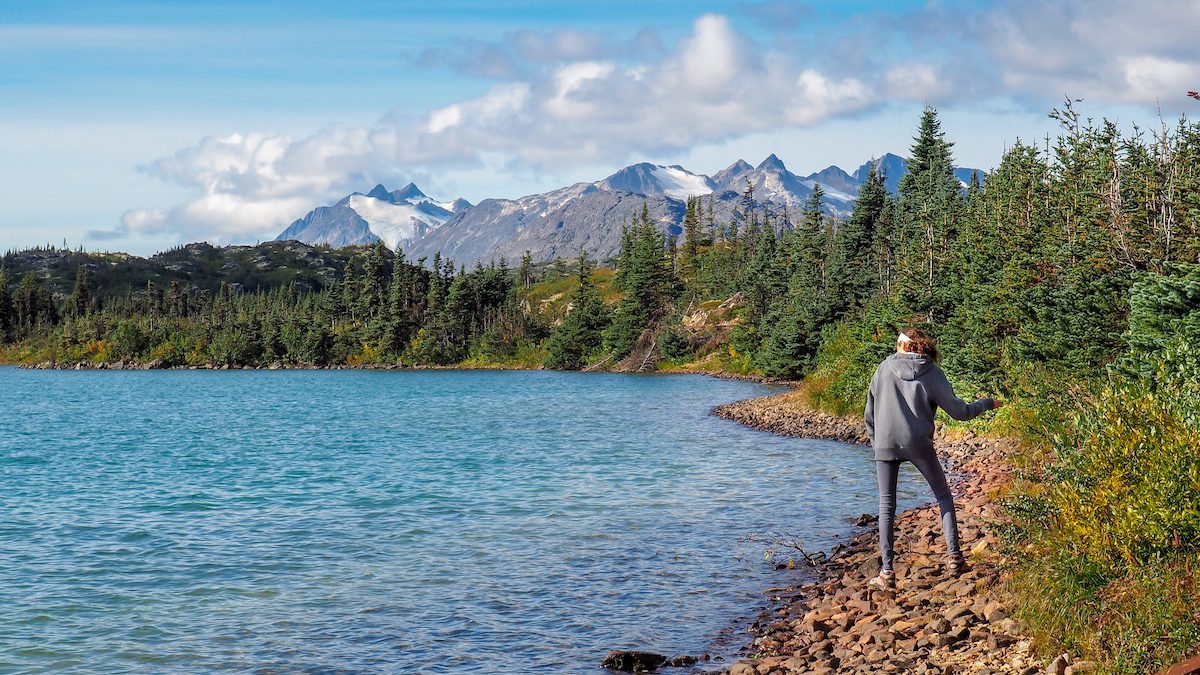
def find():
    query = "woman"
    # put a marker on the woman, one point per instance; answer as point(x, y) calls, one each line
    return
point(906, 391)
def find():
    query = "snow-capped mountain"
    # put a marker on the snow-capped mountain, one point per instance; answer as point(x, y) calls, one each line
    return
point(774, 184)
point(584, 215)
point(656, 180)
point(396, 218)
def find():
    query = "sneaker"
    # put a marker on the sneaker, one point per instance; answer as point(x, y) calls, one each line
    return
point(886, 580)
point(956, 564)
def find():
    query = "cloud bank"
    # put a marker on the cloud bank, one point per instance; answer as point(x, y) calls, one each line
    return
point(577, 98)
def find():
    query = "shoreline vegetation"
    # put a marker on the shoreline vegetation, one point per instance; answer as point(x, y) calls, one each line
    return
point(1066, 280)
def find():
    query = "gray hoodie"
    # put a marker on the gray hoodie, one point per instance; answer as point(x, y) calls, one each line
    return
point(905, 393)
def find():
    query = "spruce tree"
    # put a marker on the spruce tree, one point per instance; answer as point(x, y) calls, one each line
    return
point(580, 335)
point(852, 270)
point(525, 271)
point(6, 307)
point(81, 297)
point(372, 284)
point(646, 281)
point(928, 211)
point(792, 327)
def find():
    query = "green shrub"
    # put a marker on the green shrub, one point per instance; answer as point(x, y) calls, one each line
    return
point(1128, 480)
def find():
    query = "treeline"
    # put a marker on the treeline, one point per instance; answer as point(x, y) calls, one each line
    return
point(382, 308)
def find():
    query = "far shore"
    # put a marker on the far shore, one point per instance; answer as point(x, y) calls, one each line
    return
point(156, 365)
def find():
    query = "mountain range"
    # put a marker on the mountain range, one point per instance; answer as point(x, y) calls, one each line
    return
point(588, 215)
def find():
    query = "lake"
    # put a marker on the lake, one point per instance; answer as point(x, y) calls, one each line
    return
point(393, 521)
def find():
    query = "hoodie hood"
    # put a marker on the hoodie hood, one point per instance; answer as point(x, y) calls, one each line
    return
point(909, 366)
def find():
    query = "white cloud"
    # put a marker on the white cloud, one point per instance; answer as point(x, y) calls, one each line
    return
point(571, 99)
point(1105, 50)
point(717, 84)
point(144, 221)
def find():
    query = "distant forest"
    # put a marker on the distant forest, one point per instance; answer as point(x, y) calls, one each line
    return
point(1067, 280)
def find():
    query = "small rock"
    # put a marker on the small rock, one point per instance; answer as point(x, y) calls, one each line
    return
point(999, 641)
point(994, 612)
point(742, 668)
point(951, 638)
point(865, 519)
point(956, 612)
point(1059, 665)
point(682, 661)
point(1080, 667)
point(637, 662)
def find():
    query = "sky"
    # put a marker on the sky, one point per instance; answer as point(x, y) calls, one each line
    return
point(139, 125)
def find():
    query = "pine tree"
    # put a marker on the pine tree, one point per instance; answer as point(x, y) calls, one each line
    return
point(928, 211)
point(369, 303)
point(350, 292)
point(792, 327)
point(81, 297)
point(525, 271)
point(853, 269)
point(646, 281)
point(32, 304)
point(694, 237)
point(6, 308)
point(580, 335)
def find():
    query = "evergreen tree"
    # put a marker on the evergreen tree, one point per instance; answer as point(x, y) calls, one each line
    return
point(694, 235)
point(349, 301)
point(373, 283)
point(580, 335)
point(928, 211)
point(32, 304)
point(81, 297)
point(6, 307)
point(525, 271)
point(646, 281)
point(792, 327)
point(853, 269)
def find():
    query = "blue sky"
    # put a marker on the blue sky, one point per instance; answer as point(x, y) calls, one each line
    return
point(138, 125)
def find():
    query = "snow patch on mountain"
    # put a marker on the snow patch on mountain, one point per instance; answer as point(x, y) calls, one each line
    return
point(396, 223)
point(679, 183)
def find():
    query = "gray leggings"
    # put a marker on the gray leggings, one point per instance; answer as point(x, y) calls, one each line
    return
point(888, 471)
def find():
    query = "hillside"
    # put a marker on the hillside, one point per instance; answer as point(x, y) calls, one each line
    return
point(197, 267)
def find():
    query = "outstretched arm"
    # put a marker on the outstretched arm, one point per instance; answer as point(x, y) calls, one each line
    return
point(943, 396)
point(869, 413)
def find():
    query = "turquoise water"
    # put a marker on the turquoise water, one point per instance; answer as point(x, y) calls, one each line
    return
point(466, 522)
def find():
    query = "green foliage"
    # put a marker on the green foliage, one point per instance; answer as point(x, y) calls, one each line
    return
point(853, 265)
point(1164, 308)
point(579, 338)
point(1126, 483)
point(849, 352)
point(928, 215)
point(647, 284)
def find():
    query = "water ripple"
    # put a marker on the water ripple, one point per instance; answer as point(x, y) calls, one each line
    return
point(363, 522)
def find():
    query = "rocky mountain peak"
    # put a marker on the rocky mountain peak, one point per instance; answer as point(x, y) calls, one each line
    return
point(380, 192)
point(771, 163)
point(410, 192)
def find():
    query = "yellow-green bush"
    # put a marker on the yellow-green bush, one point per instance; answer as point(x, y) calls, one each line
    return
point(1107, 537)
point(1127, 482)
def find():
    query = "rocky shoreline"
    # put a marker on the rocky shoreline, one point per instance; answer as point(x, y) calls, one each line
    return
point(932, 622)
